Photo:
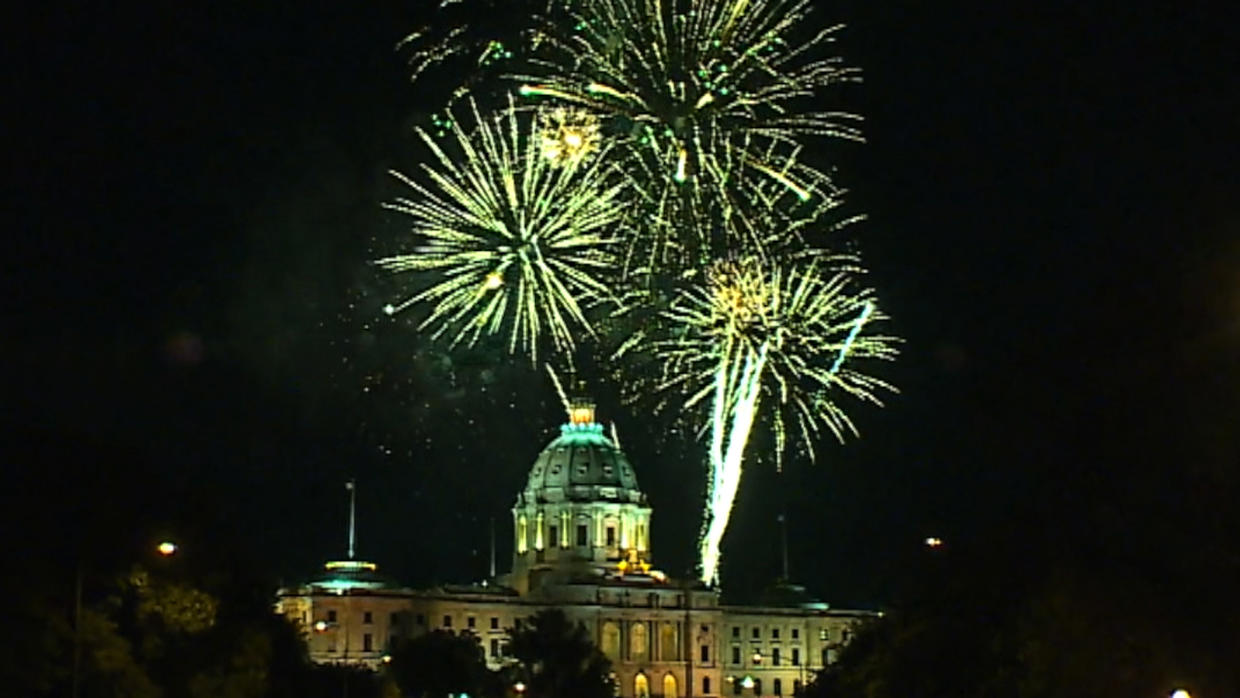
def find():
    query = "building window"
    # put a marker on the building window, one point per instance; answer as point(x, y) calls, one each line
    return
point(796, 686)
point(331, 616)
point(367, 617)
point(777, 687)
point(471, 622)
point(611, 641)
point(736, 686)
point(394, 619)
point(774, 633)
point(796, 633)
point(706, 685)
point(553, 537)
point(705, 654)
point(757, 633)
point(757, 687)
point(796, 656)
point(611, 536)
point(774, 656)
point(494, 623)
point(822, 634)
point(736, 631)
point(638, 643)
point(583, 537)
point(331, 644)
point(516, 623)
point(421, 619)
point(367, 643)
point(844, 636)
point(736, 655)
point(494, 647)
point(447, 621)
point(669, 644)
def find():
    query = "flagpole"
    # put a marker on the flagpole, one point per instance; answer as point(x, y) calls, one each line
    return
point(352, 487)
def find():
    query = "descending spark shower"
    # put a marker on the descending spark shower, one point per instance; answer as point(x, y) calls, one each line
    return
point(648, 170)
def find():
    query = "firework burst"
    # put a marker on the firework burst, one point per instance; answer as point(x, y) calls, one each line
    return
point(755, 332)
point(507, 241)
point(567, 135)
point(698, 85)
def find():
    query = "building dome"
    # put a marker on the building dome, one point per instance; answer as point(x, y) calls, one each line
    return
point(581, 514)
point(582, 465)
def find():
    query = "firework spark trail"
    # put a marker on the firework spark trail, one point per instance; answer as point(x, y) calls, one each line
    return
point(727, 471)
point(852, 336)
point(559, 389)
point(509, 240)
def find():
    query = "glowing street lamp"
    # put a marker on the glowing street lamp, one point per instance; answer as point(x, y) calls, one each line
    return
point(166, 548)
point(519, 688)
point(1181, 693)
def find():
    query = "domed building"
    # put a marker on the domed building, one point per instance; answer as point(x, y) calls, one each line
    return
point(582, 544)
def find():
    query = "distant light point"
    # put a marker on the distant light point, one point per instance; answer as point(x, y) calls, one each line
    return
point(934, 542)
point(389, 309)
point(166, 548)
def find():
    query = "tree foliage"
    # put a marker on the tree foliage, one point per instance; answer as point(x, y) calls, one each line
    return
point(439, 663)
point(556, 659)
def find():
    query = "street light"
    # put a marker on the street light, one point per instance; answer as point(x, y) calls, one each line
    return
point(519, 688)
point(166, 548)
point(1181, 693)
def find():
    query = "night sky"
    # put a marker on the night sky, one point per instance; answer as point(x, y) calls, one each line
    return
point(195, 347)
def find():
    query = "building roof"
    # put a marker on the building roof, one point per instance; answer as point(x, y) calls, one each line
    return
point(341, 576)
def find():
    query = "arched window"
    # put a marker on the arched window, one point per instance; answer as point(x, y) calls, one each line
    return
point(706, 685)
point(638, 642)
point(641, 687)
point(669, 686)
point(777, 687)
point(667, 642)
point(611, 641)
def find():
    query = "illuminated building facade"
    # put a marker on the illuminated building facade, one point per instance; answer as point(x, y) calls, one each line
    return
point(582, 544)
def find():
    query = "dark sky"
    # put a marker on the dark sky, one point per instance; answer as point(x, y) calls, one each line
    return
point(193, 345)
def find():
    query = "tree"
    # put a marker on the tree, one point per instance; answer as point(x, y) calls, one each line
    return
point(439, 663)
point(556, 659)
